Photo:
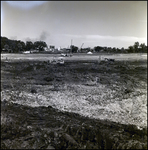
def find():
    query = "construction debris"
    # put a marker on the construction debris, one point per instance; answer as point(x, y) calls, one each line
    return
point(108, 59)
point(59, 60)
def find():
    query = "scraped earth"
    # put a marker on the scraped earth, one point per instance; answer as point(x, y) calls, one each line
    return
point(81, 104)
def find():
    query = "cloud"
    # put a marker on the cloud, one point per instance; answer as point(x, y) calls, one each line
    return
point(64, 40)
point(74, 36)
point(107, 40)
point(106, 37)
point(116, 38)
point(25, 4)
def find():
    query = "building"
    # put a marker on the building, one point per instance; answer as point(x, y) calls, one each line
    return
point(51, 48)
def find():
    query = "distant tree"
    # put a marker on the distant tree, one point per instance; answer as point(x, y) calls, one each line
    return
point(88, 49)
point(29, 45)
point(126, 50)
point(118, 50)
point(40, 45)
point(136, 46)
point(6, 47)
point(73, 48)
point(13, 45)
point(98, 48)
point(122, 50)
point(4, 41)
point(130, 49)
point(114, 49)
point(23, 45)
point(143, 47)
point(109, 49)
point(19, 45)
point(105, 49)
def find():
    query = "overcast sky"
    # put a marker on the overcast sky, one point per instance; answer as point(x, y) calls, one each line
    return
point(94, 23)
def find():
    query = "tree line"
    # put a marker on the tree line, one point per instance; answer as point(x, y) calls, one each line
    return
point(16, 46)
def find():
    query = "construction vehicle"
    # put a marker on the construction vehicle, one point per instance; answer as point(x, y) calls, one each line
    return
point(80, 47)
point(64, 55)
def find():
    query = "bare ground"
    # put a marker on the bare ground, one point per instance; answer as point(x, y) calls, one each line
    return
point(81, 104)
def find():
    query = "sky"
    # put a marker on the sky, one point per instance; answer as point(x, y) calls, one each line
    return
point(62, 23)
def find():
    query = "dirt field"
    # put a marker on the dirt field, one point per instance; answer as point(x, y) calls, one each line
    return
point(83, 104)
point(95, 56)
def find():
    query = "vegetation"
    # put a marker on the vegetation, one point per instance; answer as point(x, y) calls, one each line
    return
point(74, 49)
point(17, 46)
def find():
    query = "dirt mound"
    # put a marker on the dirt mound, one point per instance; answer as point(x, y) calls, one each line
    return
point(43, 127)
